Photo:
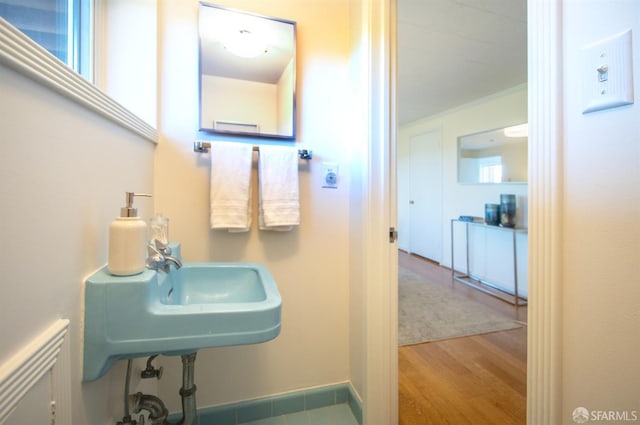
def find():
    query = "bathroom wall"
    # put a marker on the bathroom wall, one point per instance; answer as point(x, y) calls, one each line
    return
point(499, 110)
point(600, 226)
point(311, 263)
point(63, 174)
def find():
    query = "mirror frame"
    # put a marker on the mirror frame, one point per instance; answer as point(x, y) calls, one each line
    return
point(480, 133)
point(247, 133)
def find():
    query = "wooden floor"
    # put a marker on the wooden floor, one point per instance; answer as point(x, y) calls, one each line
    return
point(476, 380)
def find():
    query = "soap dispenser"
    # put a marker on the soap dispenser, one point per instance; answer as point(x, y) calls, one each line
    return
point(127, 240)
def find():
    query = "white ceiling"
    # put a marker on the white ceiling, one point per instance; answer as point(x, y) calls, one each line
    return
point(451, 52)
point(216, 24)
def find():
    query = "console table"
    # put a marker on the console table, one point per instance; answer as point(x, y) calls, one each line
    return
point(484, 285)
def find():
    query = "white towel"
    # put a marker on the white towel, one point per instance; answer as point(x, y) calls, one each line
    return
point(279, 203)
point(231, 186)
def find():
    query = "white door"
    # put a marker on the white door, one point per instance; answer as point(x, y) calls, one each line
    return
point(425, 195)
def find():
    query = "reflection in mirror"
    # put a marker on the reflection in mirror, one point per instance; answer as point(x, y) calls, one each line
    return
point(496, 156)
point(247, 73)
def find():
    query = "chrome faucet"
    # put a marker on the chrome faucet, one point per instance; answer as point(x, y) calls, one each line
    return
point(160, 257)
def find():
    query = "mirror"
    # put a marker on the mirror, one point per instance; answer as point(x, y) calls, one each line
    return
point(247, 73)
point(495, 156)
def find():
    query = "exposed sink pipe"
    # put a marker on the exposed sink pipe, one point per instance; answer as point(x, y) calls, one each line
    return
point(151, 371)
point(126, 419)
point(188, 390)
point(152, 404)
point(157, 411)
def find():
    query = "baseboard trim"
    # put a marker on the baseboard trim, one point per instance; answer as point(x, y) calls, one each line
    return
point(283, 404)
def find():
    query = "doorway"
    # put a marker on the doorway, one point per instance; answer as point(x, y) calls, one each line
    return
point(544, 390)
point(455, 199)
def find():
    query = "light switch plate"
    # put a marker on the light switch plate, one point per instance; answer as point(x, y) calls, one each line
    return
point(607, 73)
point(330, 175)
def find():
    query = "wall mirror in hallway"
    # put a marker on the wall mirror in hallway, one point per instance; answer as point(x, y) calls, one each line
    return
point(494, 156)
point(247, 73)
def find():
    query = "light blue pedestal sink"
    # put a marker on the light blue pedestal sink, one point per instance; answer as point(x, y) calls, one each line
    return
point(198, 306)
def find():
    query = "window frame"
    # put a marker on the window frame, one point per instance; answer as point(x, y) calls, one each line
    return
point(21, 53)
point(81, 36)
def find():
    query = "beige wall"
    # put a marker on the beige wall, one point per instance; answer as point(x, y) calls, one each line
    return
point(601, 230)
point(310, 264)
point(64, 171)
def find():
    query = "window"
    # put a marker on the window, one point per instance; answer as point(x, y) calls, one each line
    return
point(63, 27)
point(490, 169)
point(20, 52)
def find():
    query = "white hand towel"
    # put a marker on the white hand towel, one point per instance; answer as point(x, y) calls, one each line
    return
point(279, 203)
point(231, 186)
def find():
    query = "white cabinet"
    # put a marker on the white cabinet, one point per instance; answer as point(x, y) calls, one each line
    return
point(492, 259)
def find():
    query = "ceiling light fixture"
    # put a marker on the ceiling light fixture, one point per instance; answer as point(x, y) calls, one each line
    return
point(517, 131)
point(245, 44)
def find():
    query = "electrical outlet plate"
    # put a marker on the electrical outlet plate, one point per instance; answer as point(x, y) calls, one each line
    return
point(330, 175)
point(607, 73)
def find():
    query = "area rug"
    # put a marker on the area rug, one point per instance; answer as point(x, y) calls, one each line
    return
point(430, 312)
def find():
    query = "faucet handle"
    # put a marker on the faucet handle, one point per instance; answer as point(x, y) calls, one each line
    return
point(162, 247)
point(152, 250)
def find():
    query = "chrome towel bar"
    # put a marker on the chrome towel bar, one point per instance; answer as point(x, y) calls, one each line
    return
point(203, 147)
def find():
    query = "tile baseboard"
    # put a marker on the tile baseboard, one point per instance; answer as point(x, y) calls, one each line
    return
point(282, 404)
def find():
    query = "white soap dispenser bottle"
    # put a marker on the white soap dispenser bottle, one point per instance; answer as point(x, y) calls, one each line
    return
point(127, 240)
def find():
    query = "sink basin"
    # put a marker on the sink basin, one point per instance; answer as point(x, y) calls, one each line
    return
point(198, 306)
point(213, 284)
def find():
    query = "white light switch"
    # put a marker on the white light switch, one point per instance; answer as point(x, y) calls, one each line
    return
point(607, 73)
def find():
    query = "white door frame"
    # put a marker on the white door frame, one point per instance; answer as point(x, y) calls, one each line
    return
point(544, 343)
point(380, 392)
point(544, 353)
